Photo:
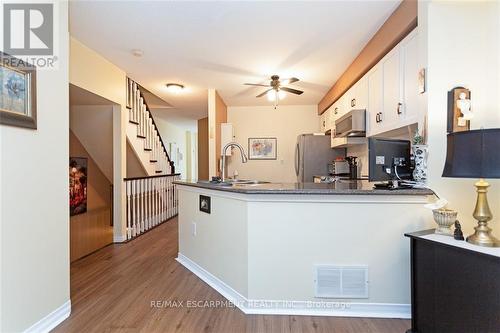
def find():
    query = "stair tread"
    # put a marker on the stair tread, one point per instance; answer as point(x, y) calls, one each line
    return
point(133, 122)
point(148, 149)
point(141, 136)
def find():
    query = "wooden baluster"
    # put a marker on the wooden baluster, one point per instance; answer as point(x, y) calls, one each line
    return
point(150, 199)
point(163, 200)
point(136, 104)
point(128, 186)
point(149, 204)
point(135, 212)
point(170, 197)
point(156, 202)
point(144, 211)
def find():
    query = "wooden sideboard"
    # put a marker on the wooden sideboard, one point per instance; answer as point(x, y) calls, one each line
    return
point(455, 286)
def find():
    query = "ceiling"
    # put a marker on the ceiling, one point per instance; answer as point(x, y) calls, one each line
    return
point(221, 45)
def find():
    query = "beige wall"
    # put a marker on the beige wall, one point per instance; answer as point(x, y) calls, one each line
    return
point(217, 114)
point(285, 123)
point(171, 133)
point(220, 117)
point(92, 72)
point(93, 126)
point(34, 212)
point(203, 149)
point(462, 50)
point(91, 230)
point(134, 166)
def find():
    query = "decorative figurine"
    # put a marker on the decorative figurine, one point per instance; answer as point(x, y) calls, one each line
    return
point(457, 234)
point(464, 105)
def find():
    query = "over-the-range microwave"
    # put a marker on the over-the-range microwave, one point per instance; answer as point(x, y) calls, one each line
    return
point(352, 124)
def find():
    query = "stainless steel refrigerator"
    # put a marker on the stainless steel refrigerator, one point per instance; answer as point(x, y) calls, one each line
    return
point(312, 155)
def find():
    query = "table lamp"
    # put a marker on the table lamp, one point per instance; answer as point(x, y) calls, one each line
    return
point(476, 154)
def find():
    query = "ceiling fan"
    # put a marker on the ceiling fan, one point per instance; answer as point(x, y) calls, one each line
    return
point(276, 89)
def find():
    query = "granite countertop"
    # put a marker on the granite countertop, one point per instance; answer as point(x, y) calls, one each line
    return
point(340, 188)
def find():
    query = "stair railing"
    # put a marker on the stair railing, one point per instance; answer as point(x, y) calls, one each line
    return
point(140, 114)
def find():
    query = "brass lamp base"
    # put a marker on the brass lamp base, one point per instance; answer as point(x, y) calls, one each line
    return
point(482, 236)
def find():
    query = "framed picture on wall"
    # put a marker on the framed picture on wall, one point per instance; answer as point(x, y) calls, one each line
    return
point(262, 148)
point(17, 92)
point(77, 185)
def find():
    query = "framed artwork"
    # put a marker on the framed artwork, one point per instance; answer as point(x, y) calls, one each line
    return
point(17, 92)
point(77, 185)
point(262, 148)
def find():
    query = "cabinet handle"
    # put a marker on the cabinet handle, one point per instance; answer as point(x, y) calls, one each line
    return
point(399, 108)
point(377, 119)
point(380, 117)
point(336, 111)
point(353, 102)
point(324, 123)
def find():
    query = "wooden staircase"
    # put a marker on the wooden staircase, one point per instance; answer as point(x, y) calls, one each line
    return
point(143, 134)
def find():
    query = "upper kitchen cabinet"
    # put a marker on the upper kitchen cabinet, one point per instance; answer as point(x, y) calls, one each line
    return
point(410, 78)
point(325, 121)
point(322, 122)
point(357, 96)
point(374, 112)
point(393, 89)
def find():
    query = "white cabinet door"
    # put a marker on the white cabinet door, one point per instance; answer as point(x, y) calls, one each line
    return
point(375, 100)
point(322, 122)
point(392, 113)
point(410, 79)
point(359, 99)
point(328, 119)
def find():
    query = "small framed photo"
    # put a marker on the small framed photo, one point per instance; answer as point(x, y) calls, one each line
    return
point(17, 92)
point(205, 204)
point(77, 185)
point(262, 148)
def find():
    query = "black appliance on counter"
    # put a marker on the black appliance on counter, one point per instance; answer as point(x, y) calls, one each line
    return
point(389, 161)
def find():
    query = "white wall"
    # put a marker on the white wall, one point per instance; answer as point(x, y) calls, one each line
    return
point(91, 72)
point(93, 126)
point(34, 202)
point(285, 123)
point(171, 133)
point(462, 50)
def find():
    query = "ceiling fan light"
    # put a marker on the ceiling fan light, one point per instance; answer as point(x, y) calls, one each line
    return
point(281, 94)
point(271, 95)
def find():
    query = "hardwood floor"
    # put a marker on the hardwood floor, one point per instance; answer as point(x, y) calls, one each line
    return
point(112, 291)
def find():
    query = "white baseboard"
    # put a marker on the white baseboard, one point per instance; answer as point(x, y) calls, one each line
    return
point(299, 308)
point(119, 238)
point(53, 319)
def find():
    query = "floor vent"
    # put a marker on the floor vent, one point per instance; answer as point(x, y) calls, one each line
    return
point(341, 281)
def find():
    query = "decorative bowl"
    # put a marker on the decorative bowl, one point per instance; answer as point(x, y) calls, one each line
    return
point(444, 218)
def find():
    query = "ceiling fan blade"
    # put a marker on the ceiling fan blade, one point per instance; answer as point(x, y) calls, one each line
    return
point(293, 91)
point(265, 92)
point(256, 84)
point(290, 80)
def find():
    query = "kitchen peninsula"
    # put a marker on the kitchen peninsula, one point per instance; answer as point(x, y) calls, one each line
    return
point(306, 249)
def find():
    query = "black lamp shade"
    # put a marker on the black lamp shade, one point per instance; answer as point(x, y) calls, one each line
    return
point(473, 154)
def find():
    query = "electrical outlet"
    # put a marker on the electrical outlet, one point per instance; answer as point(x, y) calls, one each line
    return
point(193, 228)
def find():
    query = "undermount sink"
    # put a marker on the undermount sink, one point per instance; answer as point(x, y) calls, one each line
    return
point(247, 182)
point(231, 182)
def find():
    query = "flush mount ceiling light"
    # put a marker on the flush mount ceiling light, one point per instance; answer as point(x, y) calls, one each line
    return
point(137, 53)
point(174, 87)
